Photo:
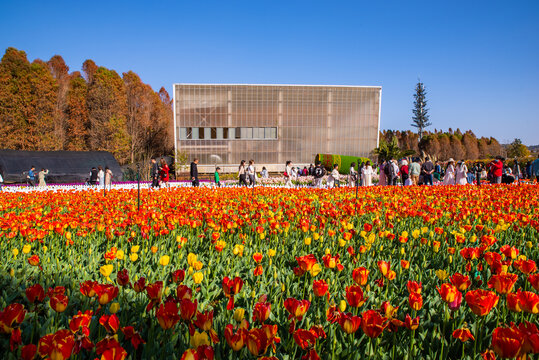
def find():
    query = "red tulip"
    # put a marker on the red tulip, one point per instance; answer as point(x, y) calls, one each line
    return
point(235, 340)
point(28, 352)
point(481, 301)
point(188, 309)
point(111, 323)
point(178, 276)
point(257, 342)
point(525, 266)
point(261, 312)
point(507, 342)
point(534, 281)
point(305, 263)
point(139, 285)
point(154, 292)
point(414, 287)
point(462, 282)
point(105, 293)
point(416, 301)
point(349, 323)
point(372, 323)
point(35, 293)
point(332, 262)
point(296, 308)
point(529, 302)
point(184, 292)
point(81, 322)
point(87, 288)
point(354, 296)
point(59, 302)
point(167, 315)
point(410, 323)
point(58, 346)
point(320, 287)
point(33, 260)
point(122, 278)
point(231, 287)
point(134, 336)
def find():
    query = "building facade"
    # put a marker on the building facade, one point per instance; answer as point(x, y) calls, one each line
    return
point(224, 124)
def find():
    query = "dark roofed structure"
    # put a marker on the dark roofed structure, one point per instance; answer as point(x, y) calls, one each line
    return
point(63, 166)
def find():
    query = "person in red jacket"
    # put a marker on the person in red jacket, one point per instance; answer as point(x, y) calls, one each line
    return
point(496, 167)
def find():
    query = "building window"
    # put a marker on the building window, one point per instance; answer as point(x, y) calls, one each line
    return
point(239, 133)
point(225, 133)
point(219, 134)
point(270, 133)
point(213, 133)
point(207, 133)
point(194, 133)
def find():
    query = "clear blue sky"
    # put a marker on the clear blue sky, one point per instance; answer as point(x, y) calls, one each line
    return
point(478, 59)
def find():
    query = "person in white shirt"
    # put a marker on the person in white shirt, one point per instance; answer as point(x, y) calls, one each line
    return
point(367, 173)
point(288, 174)
point(333, 178)
point(251, 172)
point(449, 177)
point(100, 175)
point(461, 173)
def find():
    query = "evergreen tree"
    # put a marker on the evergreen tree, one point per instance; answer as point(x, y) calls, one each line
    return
point(420, 120)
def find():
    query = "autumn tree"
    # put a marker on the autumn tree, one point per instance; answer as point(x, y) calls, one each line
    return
point(77, 114)
point(469, 141)
point(60, 71)
point(517, 149)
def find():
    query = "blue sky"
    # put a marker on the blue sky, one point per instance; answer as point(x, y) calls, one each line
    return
point(478, 59)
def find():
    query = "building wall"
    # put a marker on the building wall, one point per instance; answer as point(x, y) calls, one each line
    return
point(223, 124)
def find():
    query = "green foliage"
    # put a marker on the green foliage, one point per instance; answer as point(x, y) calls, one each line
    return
point(420, 120)
point(517, 149)
point(390, 150)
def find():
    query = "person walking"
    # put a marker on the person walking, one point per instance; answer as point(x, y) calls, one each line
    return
point(41, 176)
point(366, 173)
point(251, 172)
point(108, 178)
point(288, 173)
point(461, 177)
point(352, 175)
point(427, 169)
point(100, 175)
point(311, 170)
point(31, 177)
point(154, 173)
point(382, 180)
point(333, 178)
point(193, 173)
point(496, 167)
point(164, 171)
point(449, 177)
point(216, 177)
point(318, 174)
point(414, 170)
point(242, 174)
point(264, 173)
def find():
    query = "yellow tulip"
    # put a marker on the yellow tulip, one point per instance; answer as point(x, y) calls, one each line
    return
point(315, 270)
point(133, 257)
point(198, 265)
point(106, 270)
point(164, 260)
point(199, 339)
point(191, 259)
point(239, 314)
point(307, 241)
point(441, 274)
point(198, 277)
point(342, 306)
point(114, 307)
point(120, 254)
point(416, 233)
point(26, 248)
point(135, 248)
point(45, 249)
point(15, 252)
point(271, 252)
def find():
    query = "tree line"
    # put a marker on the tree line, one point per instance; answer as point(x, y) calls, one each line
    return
point(442, 145)
point(45, 107)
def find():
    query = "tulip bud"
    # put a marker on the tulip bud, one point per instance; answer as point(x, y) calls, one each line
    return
point(342, 306)
point(114, 307)
point(239, 314)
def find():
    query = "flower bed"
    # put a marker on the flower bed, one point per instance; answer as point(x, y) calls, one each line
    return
point(404, 272)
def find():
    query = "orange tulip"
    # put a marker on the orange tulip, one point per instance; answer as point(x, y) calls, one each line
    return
point(360, 276)
point(507, 342)
point(106, 293)
point(167, 315)
point(534, 281)
point(235, 340)
point(502, 283)
point(481, 301)
point(513, 302)
point(261, 311)
point(58, 302)
point(320, 288)
point(354, 296)
point(448, 292)
point(462, 282)
point(414, 287)
point(463, 334)
point(296, 308)
point(349, 323)
point(416, 301)
point(529, 302)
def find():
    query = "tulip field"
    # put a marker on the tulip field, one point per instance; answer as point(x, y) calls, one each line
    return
point(443, 272)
